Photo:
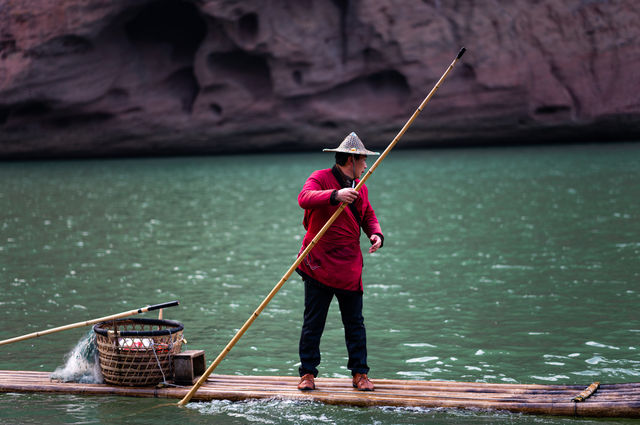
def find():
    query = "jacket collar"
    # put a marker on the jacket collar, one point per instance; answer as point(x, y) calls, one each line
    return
point(343, 180)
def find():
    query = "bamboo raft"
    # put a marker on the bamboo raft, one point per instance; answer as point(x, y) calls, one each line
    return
point(607, 400)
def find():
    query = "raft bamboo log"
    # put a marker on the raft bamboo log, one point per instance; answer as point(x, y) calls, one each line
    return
point(315, 240)
point(611, 400)
point(90, 322)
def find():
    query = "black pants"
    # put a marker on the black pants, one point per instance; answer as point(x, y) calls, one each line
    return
point(317, 298)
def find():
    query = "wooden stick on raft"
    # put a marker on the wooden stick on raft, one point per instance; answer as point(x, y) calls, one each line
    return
point(586, 393)
point(90, 322)
point(315, 240)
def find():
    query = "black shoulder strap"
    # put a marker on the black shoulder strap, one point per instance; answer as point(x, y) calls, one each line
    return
point(354, 210)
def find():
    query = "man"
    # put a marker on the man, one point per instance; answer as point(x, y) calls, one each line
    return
point(334, 266)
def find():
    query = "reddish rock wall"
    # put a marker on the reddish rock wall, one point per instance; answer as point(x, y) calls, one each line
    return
point(128, 77)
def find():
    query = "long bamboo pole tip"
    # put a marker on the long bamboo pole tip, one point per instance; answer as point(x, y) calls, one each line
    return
point(461, 52)
point(163, 305)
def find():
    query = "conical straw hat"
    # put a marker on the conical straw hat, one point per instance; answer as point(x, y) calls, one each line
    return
point(352, 144)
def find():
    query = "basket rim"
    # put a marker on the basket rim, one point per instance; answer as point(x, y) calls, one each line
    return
point(176, 327)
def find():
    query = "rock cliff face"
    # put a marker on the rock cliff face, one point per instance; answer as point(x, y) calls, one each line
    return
point(152, 77)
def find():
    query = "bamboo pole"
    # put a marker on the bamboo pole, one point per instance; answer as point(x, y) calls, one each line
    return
point(90, 322)
point(315, 240)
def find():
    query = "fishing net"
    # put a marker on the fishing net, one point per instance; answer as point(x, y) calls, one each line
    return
point(137, 352)
point(82, 364)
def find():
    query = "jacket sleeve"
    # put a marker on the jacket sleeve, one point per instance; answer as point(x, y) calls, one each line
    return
point(313, 193)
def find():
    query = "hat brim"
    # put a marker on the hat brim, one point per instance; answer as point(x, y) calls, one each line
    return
point(354, 152)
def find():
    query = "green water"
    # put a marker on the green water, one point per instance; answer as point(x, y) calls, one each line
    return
point(500, 265)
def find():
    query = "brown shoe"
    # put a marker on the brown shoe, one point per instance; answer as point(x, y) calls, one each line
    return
point(362, 383)
point(307, 382)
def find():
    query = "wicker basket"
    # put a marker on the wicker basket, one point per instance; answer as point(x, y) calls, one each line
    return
point(137, 352)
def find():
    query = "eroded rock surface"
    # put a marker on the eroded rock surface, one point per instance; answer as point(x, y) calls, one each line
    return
point(130, 77)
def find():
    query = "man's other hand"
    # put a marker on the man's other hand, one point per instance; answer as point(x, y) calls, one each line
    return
point(376, 241)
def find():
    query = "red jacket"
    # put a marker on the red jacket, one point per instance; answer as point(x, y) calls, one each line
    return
point(336, 260)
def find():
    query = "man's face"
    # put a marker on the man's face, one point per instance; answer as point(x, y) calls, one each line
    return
point(360, 165)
